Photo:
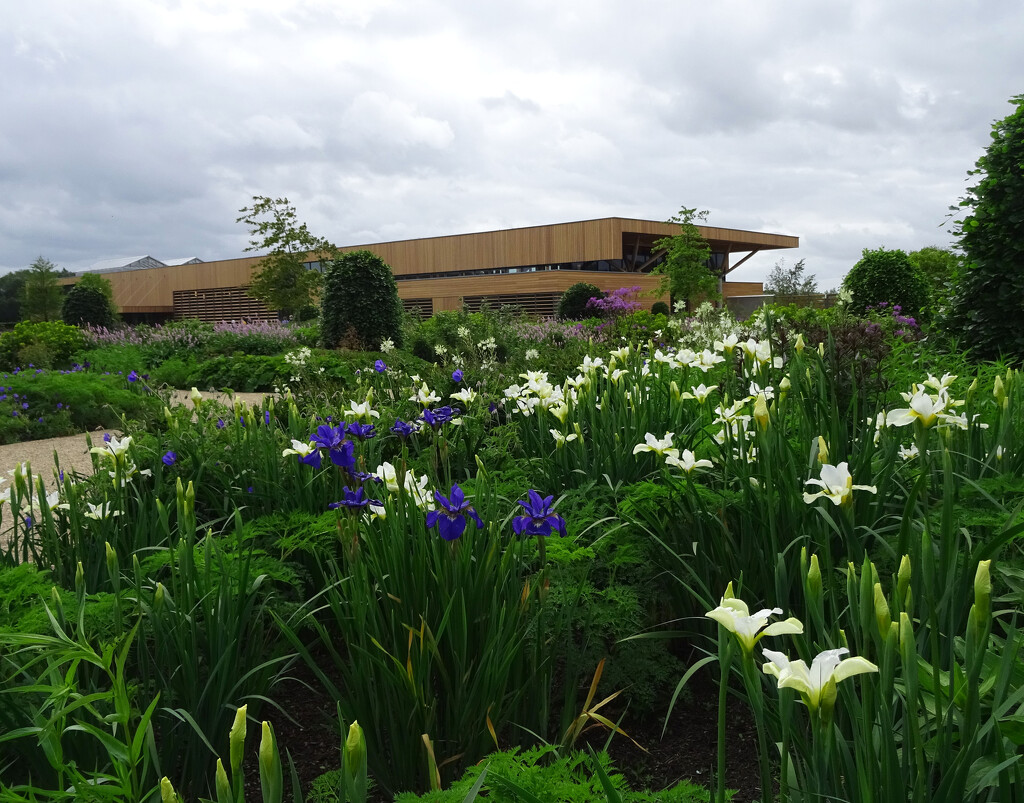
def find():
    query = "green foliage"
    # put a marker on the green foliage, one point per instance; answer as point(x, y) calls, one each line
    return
point(941, 267)
point(12, 286)
point(573, 304)
point(84, 305)
point(989, 299)
point(282, 281)
point(541, 774)
point(41, 295)
point(889, 276)
point(101, 283)
point(59, 342)
point(660, 308)
point(790, 281)
point(360, 304)
point(685, 266)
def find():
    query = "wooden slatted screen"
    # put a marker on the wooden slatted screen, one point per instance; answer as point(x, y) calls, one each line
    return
point(220, 304)
point(543, 305)
point(424, 307)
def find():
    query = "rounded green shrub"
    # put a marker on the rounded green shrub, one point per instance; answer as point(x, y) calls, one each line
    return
point(659, 308)
point(890, 276)
point(86, 306)
point(573, 305)
point(59, 340)
point(360, 307)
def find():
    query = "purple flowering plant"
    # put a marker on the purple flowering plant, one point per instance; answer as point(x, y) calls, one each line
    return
point(354, 501)
point(539, 518)
point(450, 519)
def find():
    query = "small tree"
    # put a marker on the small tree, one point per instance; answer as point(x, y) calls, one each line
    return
point(886, 275)
point(988, 305)
point(12, 291)
point(360, 303)
point(573, 304)
point(103, 285)
point(687, 258)
point(282, 281)
point(41, 296)
point(85, 305)
point(790, 281)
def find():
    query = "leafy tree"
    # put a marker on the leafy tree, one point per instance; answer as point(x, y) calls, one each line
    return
point(103, 285)
point(886, 275)
point(360, 303)
point(282, 281)
point(687, 256)
point(573, 304)
point(989, 300)
point(790, 281)
point(12, 289)
point(85, 304)
point(41, 296)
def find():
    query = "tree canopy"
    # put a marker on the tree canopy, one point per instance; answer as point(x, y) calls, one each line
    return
point(687, 256)
point(282, 281)
point(41, 295)
point(988, 304)
point(790, 280)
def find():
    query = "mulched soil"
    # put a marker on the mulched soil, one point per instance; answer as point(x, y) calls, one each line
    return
point(687, 751)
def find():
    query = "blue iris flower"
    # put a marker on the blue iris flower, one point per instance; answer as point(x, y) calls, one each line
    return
point(133, 377)
point(354, 500)
point(451, 518)
point(457, 375)
point(361, 431)
point(266, 417)
point(404, 429)
point(540, 519)
point(439, 416)
point(169, 459)
point(341, 451)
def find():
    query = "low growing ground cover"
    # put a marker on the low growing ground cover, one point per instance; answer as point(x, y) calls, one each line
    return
point(521, 540)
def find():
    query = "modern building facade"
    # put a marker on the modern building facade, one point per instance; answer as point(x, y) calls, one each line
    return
point(530, 267)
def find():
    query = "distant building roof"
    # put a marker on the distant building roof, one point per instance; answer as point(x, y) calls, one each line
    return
point(183, 261)
point(123, 263)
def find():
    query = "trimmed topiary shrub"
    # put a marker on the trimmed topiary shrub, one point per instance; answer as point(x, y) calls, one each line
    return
point(573, 305)
point(84, 305)
point(659, 308)
point(360, 303)
point(884, 275)
point(988, 303)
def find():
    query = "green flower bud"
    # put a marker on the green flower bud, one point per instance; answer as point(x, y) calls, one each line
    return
point(236, 740)
point(223, 785)
point(80, 578)
point(983, 589)
point(882, 616)
point(159, 597)
point(167, 793)
point(271, 774)
point(355, 748)
point(999, 391)
point(814, 577)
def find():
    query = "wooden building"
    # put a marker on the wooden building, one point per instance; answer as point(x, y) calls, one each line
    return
point(529, 266)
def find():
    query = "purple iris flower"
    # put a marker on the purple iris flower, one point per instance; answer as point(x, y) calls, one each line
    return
point(404, 429)
point(60, 405)
point(354, 500)
point(169, 459)
point(314, 459)
point(361, 431)
point(380, 367)
point(220, 423)
point(540, 519)
point(14, 413)
point(439, 416)
point(457, 375)
point(24, 405)
point(451, 518)
point(106, 437)
point(266, 417)
point(133, 377)
point(341, 451)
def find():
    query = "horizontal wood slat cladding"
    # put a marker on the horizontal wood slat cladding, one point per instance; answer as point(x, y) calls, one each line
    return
point(153, 289)
point(730, 289)
point(220, 304)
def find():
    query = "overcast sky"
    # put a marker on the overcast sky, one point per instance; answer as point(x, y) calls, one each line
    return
point(141, 127)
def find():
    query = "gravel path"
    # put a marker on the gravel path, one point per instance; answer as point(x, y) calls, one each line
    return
point(73, 451)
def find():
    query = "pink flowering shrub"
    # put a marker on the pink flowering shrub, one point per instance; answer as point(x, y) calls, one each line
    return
point(617, 303)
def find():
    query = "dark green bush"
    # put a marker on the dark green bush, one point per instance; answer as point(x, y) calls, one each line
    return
point(60, 341)
point(84, 305)
point(660, 308)
point(360, 303)
point(889, 276)
point(573, 305)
